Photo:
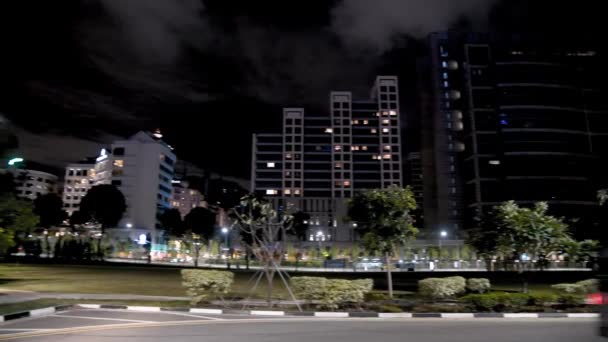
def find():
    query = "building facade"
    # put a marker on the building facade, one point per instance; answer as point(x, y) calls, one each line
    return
point(514, 118)
point(78, 179)
point(318, 162)
point(32, 183)
point(141, 167)
point(185, 199)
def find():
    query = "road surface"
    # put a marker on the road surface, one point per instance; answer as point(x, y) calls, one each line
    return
point(122, 326)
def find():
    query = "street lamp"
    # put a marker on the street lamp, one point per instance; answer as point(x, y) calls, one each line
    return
point(442, 235)
point(129, 225)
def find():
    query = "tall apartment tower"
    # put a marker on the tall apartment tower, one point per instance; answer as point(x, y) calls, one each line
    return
point(516, 118)
point(78, 179)
point(141, 167)
point(318, 162)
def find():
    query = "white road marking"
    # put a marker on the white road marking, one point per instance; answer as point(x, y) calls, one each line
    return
point(106, 319)
point(31, 329)
point(188, 315)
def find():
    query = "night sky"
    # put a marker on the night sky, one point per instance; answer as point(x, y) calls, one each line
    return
point(76, 74)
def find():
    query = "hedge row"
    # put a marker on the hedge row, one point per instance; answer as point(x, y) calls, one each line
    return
point(331, 293)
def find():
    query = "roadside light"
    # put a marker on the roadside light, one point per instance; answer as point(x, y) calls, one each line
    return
point(15, 161)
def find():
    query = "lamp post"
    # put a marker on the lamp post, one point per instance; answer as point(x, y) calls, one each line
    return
point(442, 235)
point(225, 232)
point(319, 236)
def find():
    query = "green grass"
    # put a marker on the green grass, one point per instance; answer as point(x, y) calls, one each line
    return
point(153, 281)
point(44, 303)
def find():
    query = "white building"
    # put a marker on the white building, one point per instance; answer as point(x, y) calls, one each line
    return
point(141, 167)
point(32, 183)
point(185, 199)
point(78, 180)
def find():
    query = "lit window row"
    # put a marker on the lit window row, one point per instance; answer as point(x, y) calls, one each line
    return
point(380, 157)
point(359, 148)
point(342, 183)
point(364, 122)
point(289, 191)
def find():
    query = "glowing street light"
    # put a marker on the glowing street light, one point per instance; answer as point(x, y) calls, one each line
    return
point(443, 233)
point(15, 161)
point(129, 225)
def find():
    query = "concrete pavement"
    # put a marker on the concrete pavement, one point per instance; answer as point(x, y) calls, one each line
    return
point(118, 326)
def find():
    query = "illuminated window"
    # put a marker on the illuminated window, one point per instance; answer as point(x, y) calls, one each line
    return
point(355, 148)
point(355, 122)
point(287, 173)
point(387, 156)
point(287, 191)
point(385, 130)
point(374, 131)
point(494, 162)
point(296, 191)
point(271, 192)
point(270, 165)
point(338, 165)
point(374, 157)
point(393, 113)
point(337, 148)
point(387, 147)
point(364, 148)
point(346, 183)
point(386, 121)
point(329, 130)
point(119, 163)
point(288, 156)
point(366, 122)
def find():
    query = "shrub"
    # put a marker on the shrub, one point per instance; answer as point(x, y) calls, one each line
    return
point(375, 296)
point(203, 284)
point(571, 299)
point(542, 299)
point(440, 288)
point(514, 300)
point(332, 293)
point(308, 288)
point(478, 285)
point(339, 292)
point(589, 285)
point(484, 302)
point(389, 308)
point(568, 288)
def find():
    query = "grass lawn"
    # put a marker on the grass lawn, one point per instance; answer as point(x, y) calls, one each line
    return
point(114, 280)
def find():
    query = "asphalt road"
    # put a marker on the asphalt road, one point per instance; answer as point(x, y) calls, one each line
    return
point(118, 326)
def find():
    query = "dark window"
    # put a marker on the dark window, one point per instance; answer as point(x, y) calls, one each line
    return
point(336, 104)
point(117, 182)
point(289, 121)
point(71, 173)
point(119, 151)
point(298, 122)
point(298, 139)
point(383, 88)
point(39, 179)
point(85, 172)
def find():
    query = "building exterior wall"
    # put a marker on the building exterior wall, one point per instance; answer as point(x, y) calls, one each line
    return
point(318, 162)
point(185, 199)
point(78, 179)
point(516, 119)
point(31, 183)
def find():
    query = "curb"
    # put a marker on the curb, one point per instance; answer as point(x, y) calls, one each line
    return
point(332, 314)
point(34, 313)
point(320, 314)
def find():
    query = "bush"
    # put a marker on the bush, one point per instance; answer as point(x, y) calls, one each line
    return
point(440, 288)
point(589, 285)
point(514, 300)
point(484, 302)
point(308, 288)
point(340, 292)
point(203, 284)
point(478, 285)
point(542, 299)
point(375, 296)
point(332, 293)
point(571, 299)
point(389, 308)
point(569, 288)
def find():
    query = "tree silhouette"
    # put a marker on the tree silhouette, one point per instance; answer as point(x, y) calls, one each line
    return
point(200, 227)
point(171, 221)
point(50, 209)
point(104, 204)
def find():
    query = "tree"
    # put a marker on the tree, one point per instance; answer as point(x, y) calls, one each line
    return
point(104, 204)
point(602, 196)
point(77, 218)
point(200, 227)
point(7, 184)
point(299, 225)
point(484, 237)
point(50, 209)
point(172, 223)
point(16, 218)
point(384, 220)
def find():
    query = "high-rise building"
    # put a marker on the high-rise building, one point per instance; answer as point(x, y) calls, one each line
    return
point(414, 178)
point(78, 179)
point(515, 118)
point(317, 162)
point(32, 183)
point(185, 199)
point(141, 167)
